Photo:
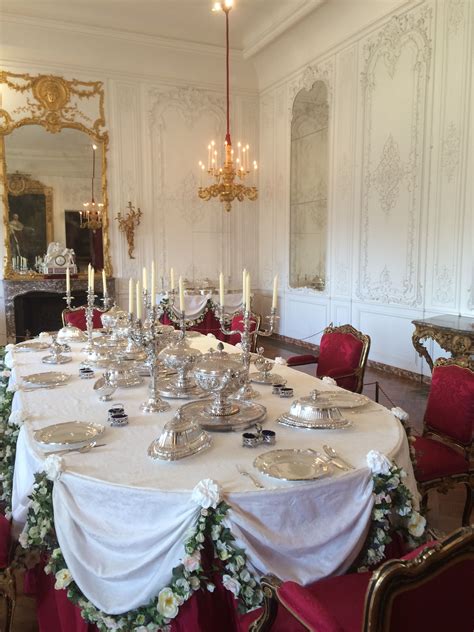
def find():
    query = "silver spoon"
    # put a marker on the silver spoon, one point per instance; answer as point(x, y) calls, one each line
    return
point(250, 476)
point(85, 448)
point(331, 452)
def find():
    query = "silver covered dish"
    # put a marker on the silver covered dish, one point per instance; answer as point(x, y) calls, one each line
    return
point(179, 356)
point(181, 437)
point(311, 412)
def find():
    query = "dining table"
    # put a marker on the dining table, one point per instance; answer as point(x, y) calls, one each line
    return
point(121, 517)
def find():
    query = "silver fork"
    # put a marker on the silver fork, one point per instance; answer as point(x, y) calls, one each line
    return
point(256, 482)
point(82, 450)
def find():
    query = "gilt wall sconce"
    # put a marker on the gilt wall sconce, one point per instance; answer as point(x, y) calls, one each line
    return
point(128, 224)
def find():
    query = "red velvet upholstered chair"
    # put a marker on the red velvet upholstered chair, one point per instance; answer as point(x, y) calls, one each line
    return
point(443, 452)
point(7, 578)
point(237, 324)
point(77, 317)
point(343, 353)
point(429, 589)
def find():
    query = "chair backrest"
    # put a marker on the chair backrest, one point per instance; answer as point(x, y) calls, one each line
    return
point(237, 324)
point(450, 407)
point(344, 350)
point(433, 591)
point(77, 316)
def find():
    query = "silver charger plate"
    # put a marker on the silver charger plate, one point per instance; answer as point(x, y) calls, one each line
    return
point(247, 415)
point(59, 359)
point(315, 424)
point(167, 387)
point(271, 379)
point(49, 378)
point(33, 345)
point(291, 465)
point(68, 433)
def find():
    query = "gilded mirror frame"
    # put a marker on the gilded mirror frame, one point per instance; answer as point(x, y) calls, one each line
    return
point(53, 103)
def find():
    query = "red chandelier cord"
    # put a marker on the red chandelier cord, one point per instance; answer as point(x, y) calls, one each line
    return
point(227, 136)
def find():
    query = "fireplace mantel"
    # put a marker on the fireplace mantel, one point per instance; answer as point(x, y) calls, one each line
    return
point(12, 289)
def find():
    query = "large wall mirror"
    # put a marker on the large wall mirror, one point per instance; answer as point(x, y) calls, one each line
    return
point(53, 162)
point(308, 188)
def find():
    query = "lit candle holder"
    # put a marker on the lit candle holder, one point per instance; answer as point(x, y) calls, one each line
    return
point(275, 292)
point(68, 281)
point(138, 301)
point(130, 296)
point(221, 289)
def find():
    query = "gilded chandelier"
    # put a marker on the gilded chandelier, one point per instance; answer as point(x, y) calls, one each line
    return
point(91, 216)
point(227, 186)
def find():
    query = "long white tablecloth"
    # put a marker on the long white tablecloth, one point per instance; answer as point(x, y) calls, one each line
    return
point(121, 517)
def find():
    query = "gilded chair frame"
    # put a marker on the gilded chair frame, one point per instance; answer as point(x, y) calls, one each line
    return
point(444, 483)
point(54, 103)
point(359, 372)
point(389, 580)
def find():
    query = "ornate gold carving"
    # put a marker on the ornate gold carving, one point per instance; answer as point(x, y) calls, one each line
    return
point(128, 224)
point(459, 344)
point(55, 103)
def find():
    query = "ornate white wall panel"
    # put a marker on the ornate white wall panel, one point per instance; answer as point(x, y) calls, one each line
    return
point(401, 207)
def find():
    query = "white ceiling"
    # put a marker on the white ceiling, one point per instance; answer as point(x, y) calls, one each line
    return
point(253, 23)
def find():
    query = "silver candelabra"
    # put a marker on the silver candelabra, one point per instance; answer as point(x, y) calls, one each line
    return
point(246, 391)
point(90, 318)
point(150, 340)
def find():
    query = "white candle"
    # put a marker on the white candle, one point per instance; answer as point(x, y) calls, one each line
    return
point(244, 281)
point(181, 294)
point(275, 292)
point(89, 275)
point(139, 300)
point(171, 279)
point(247, 293)
point(221, 289)
point(153, 283)
point(145, 285)
point(104, 283)
point(92, 280)
point(130, 297)
point(68, 281)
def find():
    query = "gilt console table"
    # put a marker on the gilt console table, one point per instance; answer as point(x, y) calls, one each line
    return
point(454, 334)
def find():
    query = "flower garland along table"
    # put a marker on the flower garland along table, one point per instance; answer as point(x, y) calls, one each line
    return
point(393, 505)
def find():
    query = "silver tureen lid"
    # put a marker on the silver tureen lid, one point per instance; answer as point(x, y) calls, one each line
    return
point(179, 351)
point(181, 437)
point(218, 362)
point(313, 407)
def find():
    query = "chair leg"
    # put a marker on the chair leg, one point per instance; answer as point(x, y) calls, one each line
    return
point(466, 515)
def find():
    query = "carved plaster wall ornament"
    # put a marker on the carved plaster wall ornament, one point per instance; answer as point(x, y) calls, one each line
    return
point(456, 18)
point(317, 72)
point(383, 171)
point(444, 284)
point(451, 151)
point(128, 224)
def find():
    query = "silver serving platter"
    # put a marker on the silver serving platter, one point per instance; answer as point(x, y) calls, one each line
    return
point(34, 345)
point(68, 433)
point(244, 415)
point(260, 377)
point(291, 465)
point(56, 359)
point(49, 378)
point(330, 421)
point(339, 399)
point(167, 387)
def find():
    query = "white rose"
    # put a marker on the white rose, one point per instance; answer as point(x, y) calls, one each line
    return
point(63, 579)
point(231, 584)
point(210, 587)
point(416, 524)
point(399, 413)
point(206, 494)
point(6, 373)
point(192, 562)
point(280, 360)
point(53, 466)
point(43, 336)
point(245, 575)
point(167, 603)
point(216, 531)
point(329, 380)
point(23, 539)
point(378, 463)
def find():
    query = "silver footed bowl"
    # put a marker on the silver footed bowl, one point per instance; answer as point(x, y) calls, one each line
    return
point(220, 374)
point(114, 317)
point(181, 357)
point(181, 437)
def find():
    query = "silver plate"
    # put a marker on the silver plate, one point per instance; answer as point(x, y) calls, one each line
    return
point(322, 424)
point(291, 465)
point(68, 433)
point(339, 399)
point(34, 345)
point(247, 415)
point(271, 378)
point(59, 359)
point(49, 378)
